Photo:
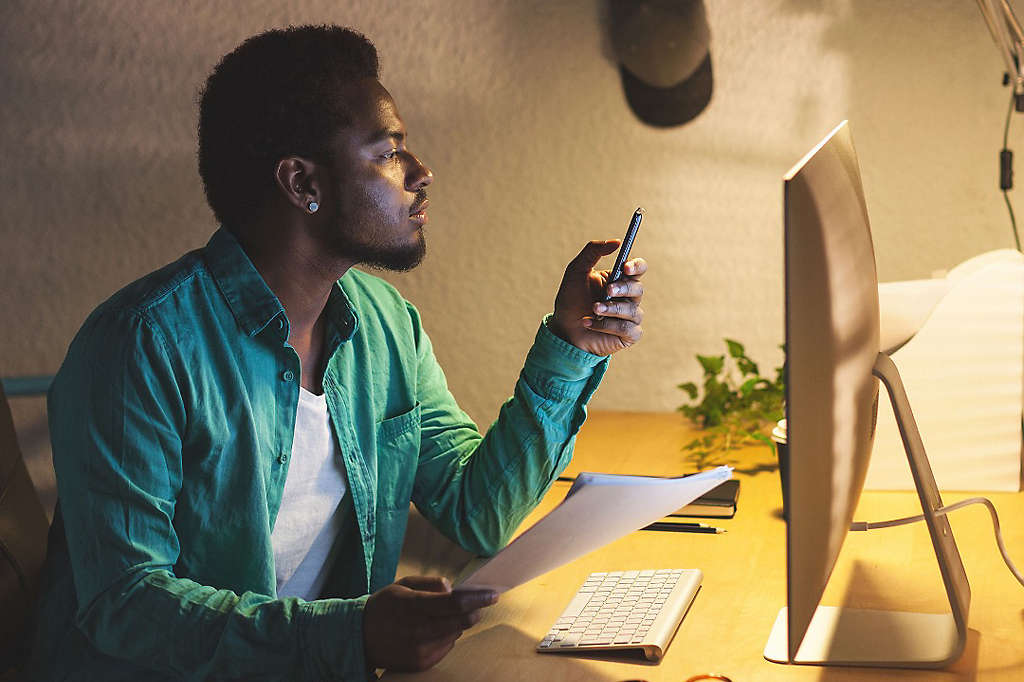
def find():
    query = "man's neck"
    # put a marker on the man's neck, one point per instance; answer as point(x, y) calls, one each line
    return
point(295, 270)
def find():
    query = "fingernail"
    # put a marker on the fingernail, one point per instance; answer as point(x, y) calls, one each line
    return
point(492, 597)
point(600, 307)
point(588, 323)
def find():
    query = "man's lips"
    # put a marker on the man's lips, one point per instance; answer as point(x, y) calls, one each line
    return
point(418, 213)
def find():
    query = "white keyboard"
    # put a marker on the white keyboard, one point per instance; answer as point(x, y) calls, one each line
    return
point(625, 610)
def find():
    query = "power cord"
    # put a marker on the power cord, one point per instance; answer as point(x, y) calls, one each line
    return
point(1006, 169)
point(865, 525)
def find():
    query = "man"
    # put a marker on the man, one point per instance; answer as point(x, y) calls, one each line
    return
point(237, 436)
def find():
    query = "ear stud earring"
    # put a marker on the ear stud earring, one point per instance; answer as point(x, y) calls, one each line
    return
point(312, 206)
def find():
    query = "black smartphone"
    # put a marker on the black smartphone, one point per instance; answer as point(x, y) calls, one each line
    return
point(627, 244)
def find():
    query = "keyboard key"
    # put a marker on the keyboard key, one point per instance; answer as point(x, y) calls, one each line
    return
point(569, 640)
point(576, 605)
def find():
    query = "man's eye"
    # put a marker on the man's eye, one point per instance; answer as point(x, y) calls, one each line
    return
point(390, 154)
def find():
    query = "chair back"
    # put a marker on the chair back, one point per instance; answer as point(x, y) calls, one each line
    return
point(23, 531)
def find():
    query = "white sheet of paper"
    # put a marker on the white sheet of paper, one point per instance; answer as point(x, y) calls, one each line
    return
point(598, 509)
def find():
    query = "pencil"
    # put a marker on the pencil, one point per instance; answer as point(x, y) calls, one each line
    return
point(684, 528)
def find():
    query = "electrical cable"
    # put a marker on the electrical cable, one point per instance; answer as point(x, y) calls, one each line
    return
point(865, 525)
point(1006, 170)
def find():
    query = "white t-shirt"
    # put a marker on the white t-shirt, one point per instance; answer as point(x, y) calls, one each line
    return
point(310, 515)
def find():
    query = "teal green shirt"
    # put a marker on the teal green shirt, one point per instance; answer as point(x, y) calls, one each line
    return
point(172, 421)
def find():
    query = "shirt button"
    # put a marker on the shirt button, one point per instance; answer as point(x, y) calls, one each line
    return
point(288, 375)
point(283, 458)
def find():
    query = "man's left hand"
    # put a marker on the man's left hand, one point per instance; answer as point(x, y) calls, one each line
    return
point(583, 319)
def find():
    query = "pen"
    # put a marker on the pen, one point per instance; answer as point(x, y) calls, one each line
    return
point(684, 528)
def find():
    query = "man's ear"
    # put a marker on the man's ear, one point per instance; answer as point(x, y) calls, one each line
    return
point(299, 181)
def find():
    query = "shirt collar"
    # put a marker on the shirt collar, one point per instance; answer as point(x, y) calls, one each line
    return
point(252, 302)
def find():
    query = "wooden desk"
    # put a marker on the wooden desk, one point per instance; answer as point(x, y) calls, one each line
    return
point(744, 578)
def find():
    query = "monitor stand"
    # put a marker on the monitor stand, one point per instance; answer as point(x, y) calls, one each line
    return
point(898, 639)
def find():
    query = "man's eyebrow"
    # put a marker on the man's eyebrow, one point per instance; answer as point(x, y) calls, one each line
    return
point(386, 134)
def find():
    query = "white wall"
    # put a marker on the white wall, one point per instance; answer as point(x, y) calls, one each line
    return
point(518, 109)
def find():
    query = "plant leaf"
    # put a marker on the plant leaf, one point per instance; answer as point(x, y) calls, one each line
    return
point(748, 386)
point(747, 366)
point(736, 349)
point(712, 364)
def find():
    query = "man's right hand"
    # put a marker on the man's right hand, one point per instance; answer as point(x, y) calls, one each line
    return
point(411, 624)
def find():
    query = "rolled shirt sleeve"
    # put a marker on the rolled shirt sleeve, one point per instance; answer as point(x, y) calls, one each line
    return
point(476, 488)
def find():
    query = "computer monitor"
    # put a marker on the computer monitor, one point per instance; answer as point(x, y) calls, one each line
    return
point(832, 390)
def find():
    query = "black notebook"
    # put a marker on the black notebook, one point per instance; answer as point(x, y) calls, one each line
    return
point(719, 502)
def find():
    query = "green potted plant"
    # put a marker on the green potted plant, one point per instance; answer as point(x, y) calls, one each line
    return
point(739, 407)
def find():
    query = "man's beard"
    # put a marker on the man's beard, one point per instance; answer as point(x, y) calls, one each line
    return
point(377, 254)
point(394, 258)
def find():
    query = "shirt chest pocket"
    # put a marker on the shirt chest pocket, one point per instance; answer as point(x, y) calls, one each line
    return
point(398, 446)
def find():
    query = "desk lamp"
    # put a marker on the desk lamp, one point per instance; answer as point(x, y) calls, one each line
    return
point(1009, 38)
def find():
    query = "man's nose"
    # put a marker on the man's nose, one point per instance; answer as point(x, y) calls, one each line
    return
point(419, 175)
